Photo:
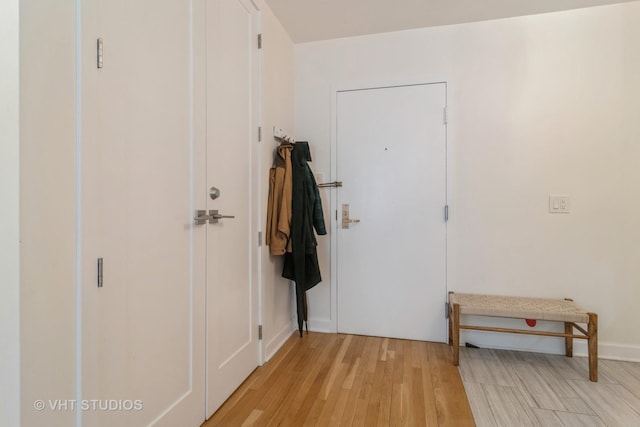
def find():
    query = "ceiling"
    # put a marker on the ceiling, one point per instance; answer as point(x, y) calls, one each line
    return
point(311, 20)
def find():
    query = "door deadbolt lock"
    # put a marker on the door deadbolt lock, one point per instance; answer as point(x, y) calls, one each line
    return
point(345, 217)
point(214, 193)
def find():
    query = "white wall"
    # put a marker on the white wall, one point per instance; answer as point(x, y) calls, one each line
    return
point(9, 215)
point(47, 207)
point(277, 77)
point(539, 105)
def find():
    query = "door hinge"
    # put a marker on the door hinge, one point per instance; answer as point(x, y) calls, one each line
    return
point(446, 213)
point(100, 272)
point(259, 332)
point(446, 310)
point(99, 52)
point(259, 238)
point(445, 116)
point(259, 41)
point(259, 133)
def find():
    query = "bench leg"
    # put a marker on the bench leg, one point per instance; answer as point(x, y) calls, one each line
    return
point(592, 328)
point(456, 334)
point(568, 341)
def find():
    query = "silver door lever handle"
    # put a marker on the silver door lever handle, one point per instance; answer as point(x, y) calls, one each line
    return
point(214, 216)
point(345, 217)
point(218, 216)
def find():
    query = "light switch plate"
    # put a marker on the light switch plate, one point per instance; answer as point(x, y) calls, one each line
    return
point(559, 204)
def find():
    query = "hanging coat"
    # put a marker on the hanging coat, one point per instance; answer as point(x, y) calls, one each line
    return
point(301, 265)
point(279, 203)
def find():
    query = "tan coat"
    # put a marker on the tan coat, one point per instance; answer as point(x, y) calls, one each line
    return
point(279, 204)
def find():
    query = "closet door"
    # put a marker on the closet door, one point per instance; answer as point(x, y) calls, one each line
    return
point(232, 105)
point(142, 342)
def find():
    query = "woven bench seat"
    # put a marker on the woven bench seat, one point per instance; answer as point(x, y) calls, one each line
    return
point(558, 310)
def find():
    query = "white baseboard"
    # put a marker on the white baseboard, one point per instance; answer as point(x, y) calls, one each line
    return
point(540, 344)
point(277, 341)
point(319, 325)
point(612, 351)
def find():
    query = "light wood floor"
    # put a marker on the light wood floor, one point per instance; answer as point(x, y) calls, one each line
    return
point(349, 380)
point(510, 388)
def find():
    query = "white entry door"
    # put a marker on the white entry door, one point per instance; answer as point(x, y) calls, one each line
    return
point(142, 343)
point(391, 156)
point(232, 106)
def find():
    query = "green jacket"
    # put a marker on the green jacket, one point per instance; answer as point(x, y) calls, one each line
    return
point(301, 265)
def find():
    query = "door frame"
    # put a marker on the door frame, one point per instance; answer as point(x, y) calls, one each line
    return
point(257, 182)
point(332, 323)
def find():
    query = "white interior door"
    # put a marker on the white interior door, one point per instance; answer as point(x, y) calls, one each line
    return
point(142, 353)
point(391, 156)
point(232, 144)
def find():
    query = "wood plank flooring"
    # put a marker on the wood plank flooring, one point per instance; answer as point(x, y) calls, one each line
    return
point(350, 380)
point(510, 388)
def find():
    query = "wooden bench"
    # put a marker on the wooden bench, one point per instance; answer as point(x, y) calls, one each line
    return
point(558, 310)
